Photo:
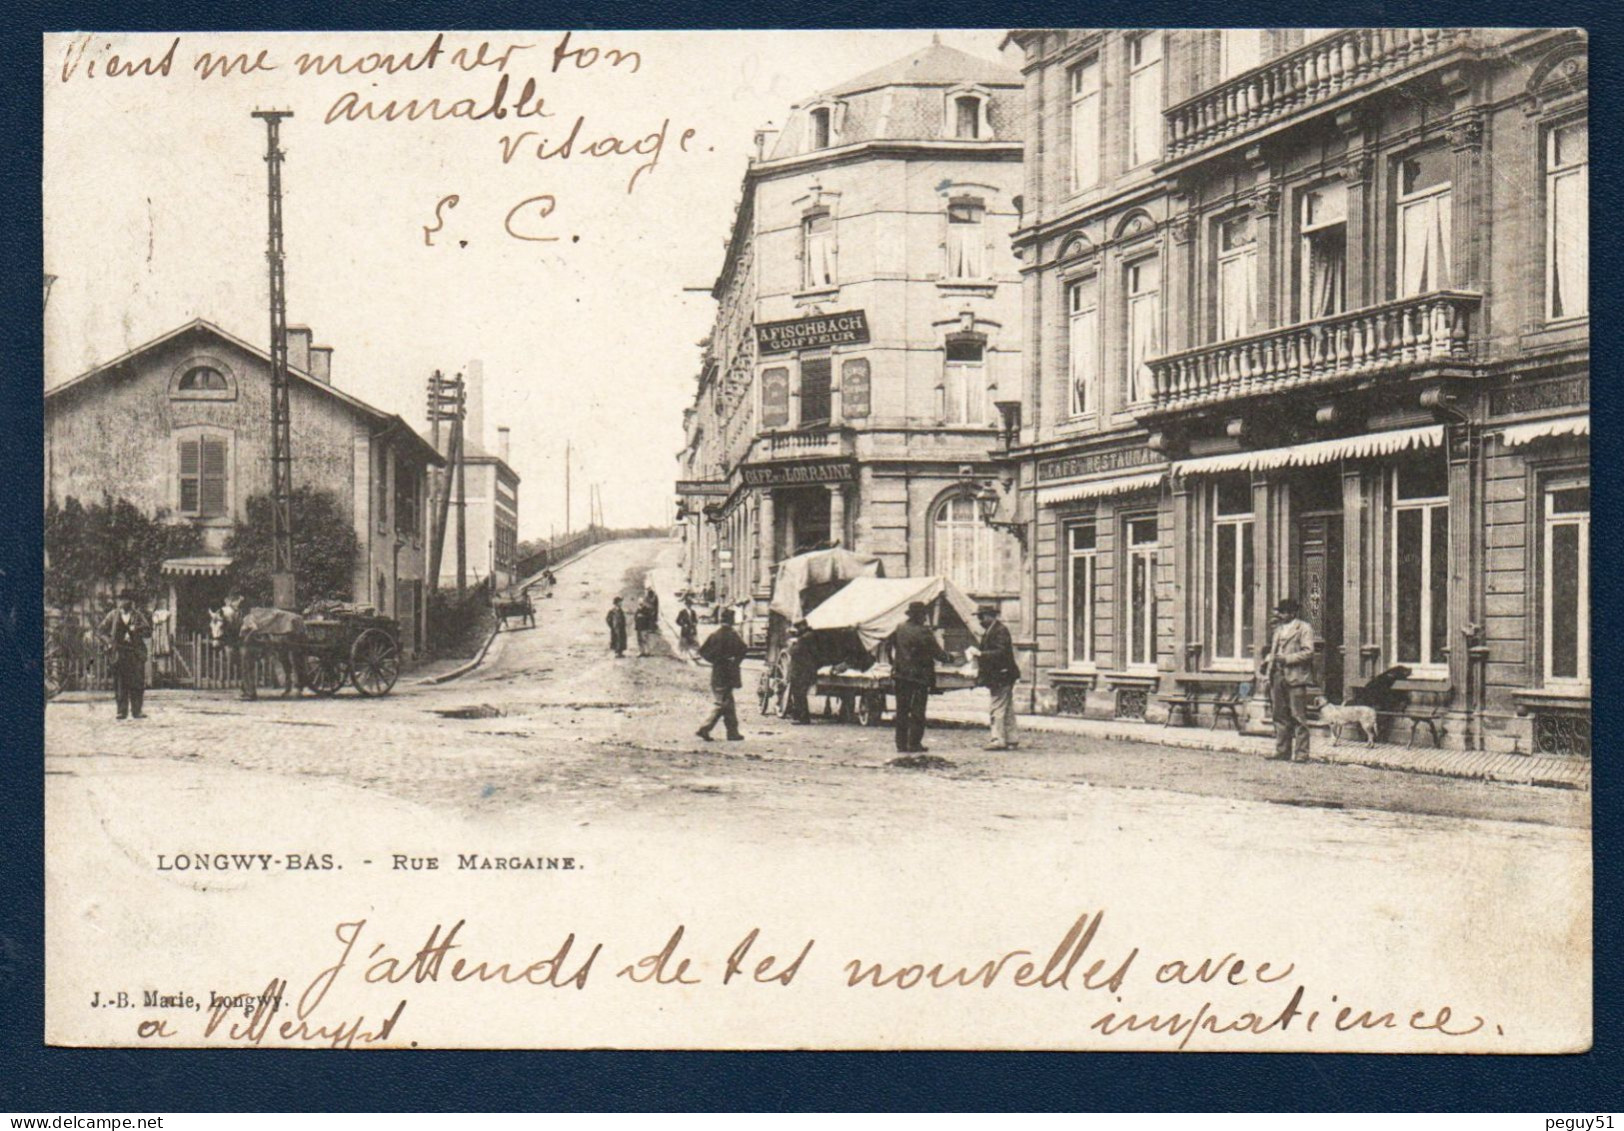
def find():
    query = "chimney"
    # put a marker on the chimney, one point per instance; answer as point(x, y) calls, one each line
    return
point(321, 364)
point(299, 348)
point(765, 136)
point(503, 436)
point(474, 425)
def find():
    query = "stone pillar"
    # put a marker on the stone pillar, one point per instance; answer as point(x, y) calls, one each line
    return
point(1355, 629)
point(1187, 579)
point(837, 513)
point(766, 540)
point(1178, 286)
point(1465, 567)
point(1363, 258)
point(1270, 308)
point(1466, 140)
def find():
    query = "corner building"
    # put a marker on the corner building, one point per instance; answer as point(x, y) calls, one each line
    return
point(868, 326)
point(1307, 314)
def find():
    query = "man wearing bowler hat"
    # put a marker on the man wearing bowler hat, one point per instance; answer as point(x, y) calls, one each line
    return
point(1289, 667)
point(914, 654)
point(125, 631)
point(997, 672)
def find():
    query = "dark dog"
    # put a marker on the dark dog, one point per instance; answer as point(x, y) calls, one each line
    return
point(1382, 695)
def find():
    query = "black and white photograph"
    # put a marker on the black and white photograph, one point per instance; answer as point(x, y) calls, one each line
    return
point(996, 539)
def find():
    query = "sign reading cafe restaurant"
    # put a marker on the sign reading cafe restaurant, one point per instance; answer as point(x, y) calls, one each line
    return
point(850, 328)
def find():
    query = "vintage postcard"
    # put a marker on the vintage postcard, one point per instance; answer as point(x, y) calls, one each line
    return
point(997, 539)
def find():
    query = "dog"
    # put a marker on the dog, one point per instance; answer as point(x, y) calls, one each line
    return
point(1355, 714)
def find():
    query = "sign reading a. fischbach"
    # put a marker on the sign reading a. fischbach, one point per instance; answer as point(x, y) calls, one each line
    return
point(793, 334)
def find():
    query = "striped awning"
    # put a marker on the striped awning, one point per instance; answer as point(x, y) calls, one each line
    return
point(1320, 451)
point(1518, 434)
point(210, 566)
point(1096, 488)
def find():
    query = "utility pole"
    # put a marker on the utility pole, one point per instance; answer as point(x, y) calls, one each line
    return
point(284, 595)
point(567, 526)
point(462, 488)
point(445, 404)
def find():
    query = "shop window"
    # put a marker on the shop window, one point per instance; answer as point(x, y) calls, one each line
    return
point(815, 377)
point(1145, 97)
point(818, 250)
point(203, 472)
point(1085, 125)
point(1425, 223)
point(1237, 277)
point(1144, 285)
point(964, 381)
point(1240, 49)
point(1567, 227)
point(1141, 592)
point(965, 548)
point(1565, 585)
point(1420, 566)
point(1083, 343)
point(966, 240)
point(1324, 251)
point(1083, 565)
point(1233, 572)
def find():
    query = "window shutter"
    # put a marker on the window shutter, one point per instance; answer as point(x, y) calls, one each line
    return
point(213, 490)
point(188, 476)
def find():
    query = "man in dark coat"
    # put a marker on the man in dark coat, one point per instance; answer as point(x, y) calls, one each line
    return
point(914, 655)
point(997, 672)
point(616, 620)
point(723, 650)
point(687, 628)
point(803, 672)
point(126, 630)
point(647, 622)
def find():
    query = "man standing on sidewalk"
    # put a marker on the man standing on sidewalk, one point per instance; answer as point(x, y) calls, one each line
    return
point(723, 650)
point(125, 631)
point(616, 620)
point(1289, 667)
point(996, 670)
point(687, 629)
point(914, 654)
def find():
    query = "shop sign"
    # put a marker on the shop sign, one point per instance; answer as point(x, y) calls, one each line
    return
point(849, 328)
point(790, 475)
point(774, 397)
point(1067, 467)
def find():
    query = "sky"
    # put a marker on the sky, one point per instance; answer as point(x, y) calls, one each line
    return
point(155, 214)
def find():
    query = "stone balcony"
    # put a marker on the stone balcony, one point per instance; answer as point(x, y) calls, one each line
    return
point(1422, 332)
point(808, 443)
point(1306, 80)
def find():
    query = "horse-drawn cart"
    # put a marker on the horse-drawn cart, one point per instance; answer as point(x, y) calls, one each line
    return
point(360, 648)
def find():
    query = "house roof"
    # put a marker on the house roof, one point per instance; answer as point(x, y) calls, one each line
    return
point(934, 65)
point(382, 420)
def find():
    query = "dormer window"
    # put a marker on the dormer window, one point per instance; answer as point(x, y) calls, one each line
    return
point(967, 116)
point(822, 128)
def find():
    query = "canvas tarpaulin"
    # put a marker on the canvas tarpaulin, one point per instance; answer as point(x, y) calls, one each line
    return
point(874, 606)
point(820, 567)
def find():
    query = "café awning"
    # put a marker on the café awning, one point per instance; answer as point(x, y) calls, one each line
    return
point(1320, 451)
point(1517, 435)
point(206, 566)
point(1097, 488)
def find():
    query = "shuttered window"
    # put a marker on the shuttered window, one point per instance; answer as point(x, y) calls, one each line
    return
point(203, 476)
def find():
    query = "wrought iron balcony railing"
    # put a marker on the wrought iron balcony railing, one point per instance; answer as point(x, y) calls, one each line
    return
point(1423, 330)
point(1312, 75)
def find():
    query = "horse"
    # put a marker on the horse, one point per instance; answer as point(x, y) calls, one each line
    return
point(259, 631)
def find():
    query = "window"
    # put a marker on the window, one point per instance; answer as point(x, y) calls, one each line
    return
point(821, 128)
point(966, 549)
point(1567, 230)
point(967, 116)
point(964, 383)
point(1421, 565)
point(1240, 49)
point(1141, 619)
point(818, 250)
point(1083, 343)
point(406, 501)
point(1233, 571)
point(1081, 545)
point(966, 240)
point(203, 378)
point(1424, 223)
point(1144, 326)
point(203, 476)
point(1565, 584)
point(815, 377)
point(1145, 97)
point(1237, 277)
point(1325, 251)
point(383, 490)
point(1085, 125)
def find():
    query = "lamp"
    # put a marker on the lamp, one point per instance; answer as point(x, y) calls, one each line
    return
point(988, 499)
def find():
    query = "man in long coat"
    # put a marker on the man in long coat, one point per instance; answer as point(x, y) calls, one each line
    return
point(1289, 667)
point(996, 670)
point(914, 655)
point(616, 620)
point(126, 630)
point(723, 650)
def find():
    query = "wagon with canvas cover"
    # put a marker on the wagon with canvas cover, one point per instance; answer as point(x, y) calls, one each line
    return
point(801, 584)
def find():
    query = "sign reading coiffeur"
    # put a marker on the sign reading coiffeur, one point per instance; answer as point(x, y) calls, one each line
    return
point(811, 333)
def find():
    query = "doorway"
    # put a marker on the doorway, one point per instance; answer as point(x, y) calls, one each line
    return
point(1319, 582)
point(806, 518)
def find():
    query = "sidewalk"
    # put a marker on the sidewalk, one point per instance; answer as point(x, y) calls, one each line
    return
point(969, 709)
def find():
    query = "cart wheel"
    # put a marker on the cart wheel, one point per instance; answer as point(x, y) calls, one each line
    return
point(324, 675)
point(374, 662)
point(781, 685)
point(764, 692)
point(871, 708)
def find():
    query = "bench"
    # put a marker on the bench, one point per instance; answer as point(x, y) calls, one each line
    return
point(1225, 697)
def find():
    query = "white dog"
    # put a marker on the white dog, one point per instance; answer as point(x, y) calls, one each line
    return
point(1338, 717)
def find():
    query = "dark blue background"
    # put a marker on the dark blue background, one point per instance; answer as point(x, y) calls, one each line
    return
point(35, 1078)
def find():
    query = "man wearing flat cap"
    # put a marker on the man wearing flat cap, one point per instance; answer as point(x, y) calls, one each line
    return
point(914, 655)
point(997, 672)
point(125, 631)
point(1289, 667)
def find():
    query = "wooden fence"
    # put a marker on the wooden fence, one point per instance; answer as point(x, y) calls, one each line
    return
point(197, 662)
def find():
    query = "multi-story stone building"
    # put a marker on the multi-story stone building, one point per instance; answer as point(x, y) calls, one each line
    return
point(1307, 314)
point(868, 326)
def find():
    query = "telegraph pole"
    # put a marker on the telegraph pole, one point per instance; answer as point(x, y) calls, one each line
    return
point(284, 595)
point(460, 438)
point(567, 526)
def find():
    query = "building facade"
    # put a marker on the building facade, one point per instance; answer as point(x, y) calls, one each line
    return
point(1307, 314)
point(868, 326)
point(180, 427)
